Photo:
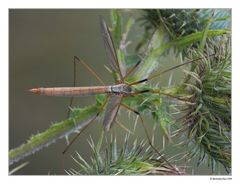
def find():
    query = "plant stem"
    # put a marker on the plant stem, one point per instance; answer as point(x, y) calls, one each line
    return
point(54, 132)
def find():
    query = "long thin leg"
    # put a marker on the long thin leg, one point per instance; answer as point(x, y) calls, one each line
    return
point(75, 60)
point(161, 93)
point(123, 127)
point(147, 134)
point(74, 84)
point(165, 71)
point(75, 138)
point(132, 69)
point(140, 92)
point(157, 92)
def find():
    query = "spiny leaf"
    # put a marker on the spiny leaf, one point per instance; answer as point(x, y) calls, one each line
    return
point(130, 160)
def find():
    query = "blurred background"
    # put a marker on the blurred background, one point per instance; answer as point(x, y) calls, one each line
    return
point(42, 44)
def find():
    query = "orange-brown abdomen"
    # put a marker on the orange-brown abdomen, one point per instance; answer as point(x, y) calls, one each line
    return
point(71, 91)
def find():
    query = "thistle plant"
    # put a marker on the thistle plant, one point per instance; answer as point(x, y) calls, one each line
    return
point(130, 159)
point(207, 117)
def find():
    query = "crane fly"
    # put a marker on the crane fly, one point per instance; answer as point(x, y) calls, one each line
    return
point(115, 93)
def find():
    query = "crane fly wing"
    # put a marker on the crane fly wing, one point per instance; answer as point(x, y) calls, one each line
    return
point(109, 46)
point(110, 49)
point(111, 111)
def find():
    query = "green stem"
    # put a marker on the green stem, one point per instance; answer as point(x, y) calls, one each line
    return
point(54, 132)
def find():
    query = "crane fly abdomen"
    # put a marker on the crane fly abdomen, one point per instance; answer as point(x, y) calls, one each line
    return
point(119, 89)
point(71, 91)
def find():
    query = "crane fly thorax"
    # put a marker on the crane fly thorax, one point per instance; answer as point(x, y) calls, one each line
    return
point(121, 89)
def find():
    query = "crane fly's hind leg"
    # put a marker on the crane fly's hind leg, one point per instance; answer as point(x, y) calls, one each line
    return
point(139, 115)
point(75, 61)
point(87, 124)
point(147, 134)
point(123, 127)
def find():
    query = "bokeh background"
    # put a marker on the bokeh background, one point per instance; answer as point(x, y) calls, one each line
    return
point(42, 44)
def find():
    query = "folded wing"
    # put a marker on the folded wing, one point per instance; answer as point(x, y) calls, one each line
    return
point(110, 49)
point(111, 111)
